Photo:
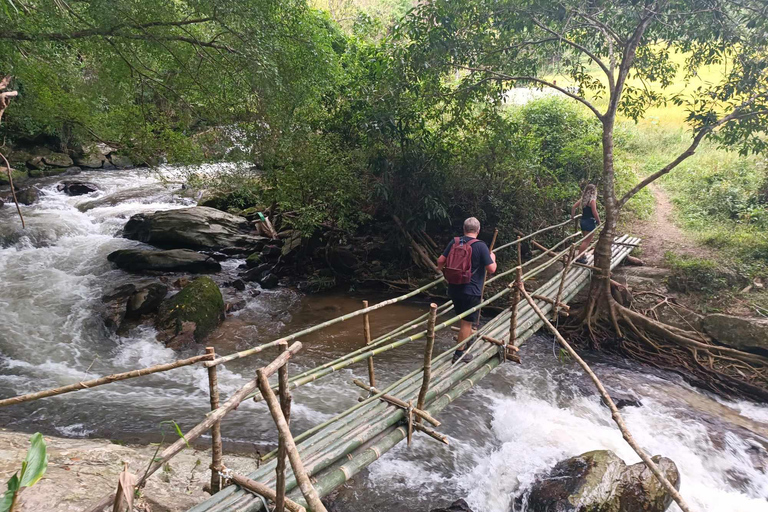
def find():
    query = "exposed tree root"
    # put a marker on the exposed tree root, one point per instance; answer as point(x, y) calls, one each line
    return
point(695, 356)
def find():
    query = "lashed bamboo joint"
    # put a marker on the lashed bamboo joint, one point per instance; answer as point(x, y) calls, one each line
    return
point(398, 403)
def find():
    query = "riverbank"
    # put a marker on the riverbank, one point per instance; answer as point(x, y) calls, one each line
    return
point(80, 471)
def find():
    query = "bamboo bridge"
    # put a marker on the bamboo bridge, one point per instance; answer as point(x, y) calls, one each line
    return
point(327, 455)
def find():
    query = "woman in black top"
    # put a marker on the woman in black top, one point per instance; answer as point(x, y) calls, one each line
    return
point(589, 217)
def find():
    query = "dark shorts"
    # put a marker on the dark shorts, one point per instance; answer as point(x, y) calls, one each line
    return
point(462, 303)
point(588, 225)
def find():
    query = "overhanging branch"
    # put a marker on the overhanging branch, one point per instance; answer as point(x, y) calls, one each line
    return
point(505, 77)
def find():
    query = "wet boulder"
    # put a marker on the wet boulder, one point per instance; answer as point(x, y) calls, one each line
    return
point(198, 228)
point(739, 332)
point(145, 300)
point(254, 260)
point(174, 260)
point(28, 196)
point(190, 315)
point(115, 306)
point(456, 506)
point(269, 281)
point(255, 274)
point(599, 481)
point(76, 188)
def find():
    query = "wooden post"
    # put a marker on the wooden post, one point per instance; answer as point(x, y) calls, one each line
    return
point(427, 358)
point(367, 336)
point(566, 267)
point(216, 447)
point(519, 253)
point(515, 302)
point(309, 492)
point(482, 290)
point(285, 406)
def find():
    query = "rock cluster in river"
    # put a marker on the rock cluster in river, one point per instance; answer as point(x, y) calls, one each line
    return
point(191, 314)
point(599, 481)
point(174, 260)
point(197, 228)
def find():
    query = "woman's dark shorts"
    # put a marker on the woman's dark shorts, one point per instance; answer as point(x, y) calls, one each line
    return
point(588, 225)
point(462, 303)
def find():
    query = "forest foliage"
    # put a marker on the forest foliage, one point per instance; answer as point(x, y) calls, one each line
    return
point(335, 109)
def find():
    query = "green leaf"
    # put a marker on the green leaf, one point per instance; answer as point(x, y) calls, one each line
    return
point(36, 462)
point(7, 499)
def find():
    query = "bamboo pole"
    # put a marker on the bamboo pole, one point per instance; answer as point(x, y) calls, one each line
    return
point(194, 433)
point(550, 300)
point(367, 336)
point(428, 357)
point(398, 402)
point(485, 278)
point(531, 235)
point(285, 406)
point(515, 307)
point(566, 267)
point(216, 446)
point(519, 253)
point(617, 418)
point(103, 380)
point(309, 492)
point(263, 490)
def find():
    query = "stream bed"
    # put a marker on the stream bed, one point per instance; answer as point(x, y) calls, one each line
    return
point(514, 424)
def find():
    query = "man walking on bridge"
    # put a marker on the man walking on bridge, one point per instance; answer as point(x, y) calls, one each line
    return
point(464, 263)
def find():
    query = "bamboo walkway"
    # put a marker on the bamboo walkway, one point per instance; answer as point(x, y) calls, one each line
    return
point(331, 453)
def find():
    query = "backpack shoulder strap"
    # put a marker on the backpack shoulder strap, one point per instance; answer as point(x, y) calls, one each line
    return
point(470, 242)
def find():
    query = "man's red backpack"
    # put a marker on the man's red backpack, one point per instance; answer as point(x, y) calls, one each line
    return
point(458, 265)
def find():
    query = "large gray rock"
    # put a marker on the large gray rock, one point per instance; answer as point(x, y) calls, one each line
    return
point(146, 300)
point(456, 506)
point(736, 331)
point(58, 160)
point(90, 157)
point(599, 481)
point(196, 228)
point(175, 260)
point(76, 188)
point(28, 196)
point(120, 161)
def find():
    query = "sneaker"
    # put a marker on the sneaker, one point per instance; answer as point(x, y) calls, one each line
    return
point(467, 358)
point(582, 260)
point(456, 356)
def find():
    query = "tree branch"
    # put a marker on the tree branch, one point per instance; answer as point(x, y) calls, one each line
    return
point(581, 48)
point(502, 76)
point(735, 115)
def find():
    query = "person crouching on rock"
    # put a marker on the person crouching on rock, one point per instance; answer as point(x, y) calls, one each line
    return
point(589, 217)
point(464, 263)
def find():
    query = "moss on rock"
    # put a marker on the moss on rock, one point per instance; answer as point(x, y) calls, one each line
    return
point(18, 176)
point(254, 260)
point(191, 314)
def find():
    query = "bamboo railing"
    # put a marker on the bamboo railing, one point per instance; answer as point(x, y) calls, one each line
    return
point(362, 433)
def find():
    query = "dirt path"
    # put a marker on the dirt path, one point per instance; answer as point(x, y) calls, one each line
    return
point(660, 233)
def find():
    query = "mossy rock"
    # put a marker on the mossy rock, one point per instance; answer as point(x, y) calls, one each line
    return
point(192, 314)
point(18, 176)
point(254, 260)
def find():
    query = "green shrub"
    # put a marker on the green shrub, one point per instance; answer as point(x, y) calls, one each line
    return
point(700, 275)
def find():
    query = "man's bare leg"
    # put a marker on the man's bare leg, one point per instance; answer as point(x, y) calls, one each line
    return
point(465, 331)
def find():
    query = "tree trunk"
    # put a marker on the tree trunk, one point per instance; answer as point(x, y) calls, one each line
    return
point(600, 287)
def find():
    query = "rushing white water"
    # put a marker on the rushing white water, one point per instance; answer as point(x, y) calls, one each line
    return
point(517, 423)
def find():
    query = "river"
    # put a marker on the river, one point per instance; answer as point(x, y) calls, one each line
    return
point(517, 422)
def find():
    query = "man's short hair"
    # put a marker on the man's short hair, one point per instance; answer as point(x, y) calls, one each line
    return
point(471, 225)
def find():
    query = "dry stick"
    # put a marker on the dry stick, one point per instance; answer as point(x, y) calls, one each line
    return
point(103, 380)
point(566, 268)
point(263, 490)
point(397, 402)
point(482, 290)
point(309, 492)
point(216, 448)
point(285, 405)
point(367, 336)
point(198, 429)
point(13, 190)
point(427, 358)
point(614, 410)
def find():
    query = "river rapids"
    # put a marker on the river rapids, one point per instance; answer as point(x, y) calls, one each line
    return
point(515, 424)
